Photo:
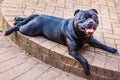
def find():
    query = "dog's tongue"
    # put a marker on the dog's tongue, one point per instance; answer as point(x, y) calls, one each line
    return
point(89, 30)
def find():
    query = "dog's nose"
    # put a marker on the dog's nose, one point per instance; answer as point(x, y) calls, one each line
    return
point(90, 22)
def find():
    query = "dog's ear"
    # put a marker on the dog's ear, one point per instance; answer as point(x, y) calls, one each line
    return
point(76, 12)
point(94, 10)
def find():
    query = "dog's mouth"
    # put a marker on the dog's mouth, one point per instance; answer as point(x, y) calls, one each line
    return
point(88, 30)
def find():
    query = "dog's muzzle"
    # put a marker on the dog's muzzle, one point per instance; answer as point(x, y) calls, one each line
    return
point(88, 30)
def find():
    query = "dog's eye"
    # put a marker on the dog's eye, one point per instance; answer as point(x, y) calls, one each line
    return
point(94, 17)
point(83, 19)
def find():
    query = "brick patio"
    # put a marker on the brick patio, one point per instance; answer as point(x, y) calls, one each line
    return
point(56, 54)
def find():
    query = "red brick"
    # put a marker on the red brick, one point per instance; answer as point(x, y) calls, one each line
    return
point(110, 20)
point(102, 2)
point(104, 10)
point(112, 61)
point(108, 31)
point(70, 5)
point(118, 48)
point(112, 36)
point(51, 74)
point(117, 42)
point(116, 31)
point(99, 36)
point(29, 75)
point(70, 61)
point(114, 16)
point(50, 8)
point(111, 3)
point(46, 46)
point(107, 25)
point(109, 41)
point(13, 73)
point(41, 4)
point(10, 64)
point(59, 49)
point(69, 77)
point(115, 25)
point(62, 2)
point(86, 3)
point(58, 14)
point(7, 56)
point(99, 60)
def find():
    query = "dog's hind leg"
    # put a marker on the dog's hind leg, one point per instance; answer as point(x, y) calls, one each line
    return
point(26, 20)
point(19, 18)
point(17, 22)
point(16, 27)
point(8, 32)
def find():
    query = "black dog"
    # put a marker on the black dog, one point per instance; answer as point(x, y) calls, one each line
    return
point(73, 32)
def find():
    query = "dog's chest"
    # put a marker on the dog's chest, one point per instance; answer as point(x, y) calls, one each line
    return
point(81, 41)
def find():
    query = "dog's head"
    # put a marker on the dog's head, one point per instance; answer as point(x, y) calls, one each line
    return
point(86, 20)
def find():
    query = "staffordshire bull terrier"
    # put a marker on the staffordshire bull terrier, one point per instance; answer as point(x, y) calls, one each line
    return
point(73, 32)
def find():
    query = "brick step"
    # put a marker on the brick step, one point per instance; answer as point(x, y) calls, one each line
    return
point(58, 56)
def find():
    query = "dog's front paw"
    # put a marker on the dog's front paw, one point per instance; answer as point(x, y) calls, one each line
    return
point(86, 69)
point(112, 50)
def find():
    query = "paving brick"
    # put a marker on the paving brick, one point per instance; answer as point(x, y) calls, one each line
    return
point(50, 8)
point(115, 25)
point(61, 49)
point(10, 64)
point(7, 56)
point(71, 6)
point(32, 60)
point(30, 75)
point(62, 2)
point(13, 73)
point(110, 20)
point(107, 25)
point(116, 31)
point(102, 2)
point(46, 46)
point(51, 74)
point(118, 48)
point(99, 60)
point(104, 10)
point(112, 36)
point(41, 5)
point(112, 61)
point(117, 41)
point(66, 76)
point(99, 36)
point(111, 3)
point(43, 67)
point(114, 16)
point(34, 72)
point(109, 41)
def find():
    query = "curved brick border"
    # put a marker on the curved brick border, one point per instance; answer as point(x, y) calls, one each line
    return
point(56, 54)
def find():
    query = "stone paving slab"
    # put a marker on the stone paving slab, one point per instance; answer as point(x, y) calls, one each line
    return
point(15, 65)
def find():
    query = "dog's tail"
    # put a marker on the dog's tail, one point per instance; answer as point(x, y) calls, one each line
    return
point(10, 31)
